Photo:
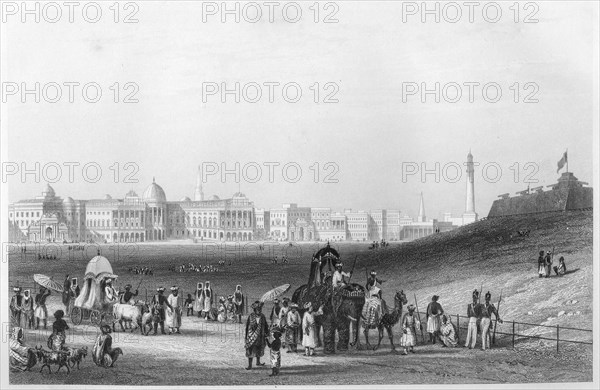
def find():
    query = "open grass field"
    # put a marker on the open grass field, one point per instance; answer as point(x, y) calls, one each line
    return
point(449, 264)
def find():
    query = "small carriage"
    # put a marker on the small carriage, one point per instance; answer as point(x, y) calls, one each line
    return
point(92, 303)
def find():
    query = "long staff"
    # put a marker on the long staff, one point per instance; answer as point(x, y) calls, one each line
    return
point(419, 315)
point(496, 323)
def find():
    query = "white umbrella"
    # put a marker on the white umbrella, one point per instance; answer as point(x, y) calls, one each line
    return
point(274, 293)
point(47, 282)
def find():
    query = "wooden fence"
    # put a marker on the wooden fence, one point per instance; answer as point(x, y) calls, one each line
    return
point(518, 332)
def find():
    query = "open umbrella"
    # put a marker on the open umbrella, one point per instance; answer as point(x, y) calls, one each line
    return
point(274, 293)
point(46, 281)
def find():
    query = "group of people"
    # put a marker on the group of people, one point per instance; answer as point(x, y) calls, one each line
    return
point(545, 265)
point(194, 268)
point(228, 309)
point(284, 319)
point(76, 247)
point(284, 260)
point(140, 270)
point(376, 244)
point(46, 256)
point(24, 307)
point(23, 357)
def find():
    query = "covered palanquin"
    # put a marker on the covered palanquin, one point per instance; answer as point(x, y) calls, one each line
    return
point(93, 297)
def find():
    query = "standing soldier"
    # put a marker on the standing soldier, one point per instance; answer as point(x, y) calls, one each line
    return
point(159, 301)
point(473, 312)
point(541, 265)
point(486, 318)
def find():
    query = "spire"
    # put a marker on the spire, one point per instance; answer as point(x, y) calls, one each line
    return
point(198, 194)
point(153, 181)
point(421, 217)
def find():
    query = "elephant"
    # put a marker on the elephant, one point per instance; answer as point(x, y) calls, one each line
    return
point(348, 308)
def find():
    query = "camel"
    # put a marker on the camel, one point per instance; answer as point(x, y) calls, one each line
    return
point(387, 321)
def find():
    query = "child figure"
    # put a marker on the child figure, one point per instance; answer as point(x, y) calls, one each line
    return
point(189, 304)
point(275, 346)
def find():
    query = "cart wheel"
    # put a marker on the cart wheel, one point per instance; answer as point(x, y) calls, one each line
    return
point(76, 315)
point(96, 317)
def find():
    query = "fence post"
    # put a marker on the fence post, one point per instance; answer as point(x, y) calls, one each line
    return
point(513, 335)
point(457, 328)
point(557, 337)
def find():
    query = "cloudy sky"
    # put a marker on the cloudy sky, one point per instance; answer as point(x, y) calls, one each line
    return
point(368, 135)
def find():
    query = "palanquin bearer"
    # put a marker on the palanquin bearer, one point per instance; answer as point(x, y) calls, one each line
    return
point(410, 323)
point(473, 312)
point(173, 312)
point(486, 319)
point(159, 302)
point(257, 331)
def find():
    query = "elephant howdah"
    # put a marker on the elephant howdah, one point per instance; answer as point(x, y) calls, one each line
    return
point(342, 307)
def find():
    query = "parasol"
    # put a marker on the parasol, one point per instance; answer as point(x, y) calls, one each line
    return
point(47, 282)
point(274, 293)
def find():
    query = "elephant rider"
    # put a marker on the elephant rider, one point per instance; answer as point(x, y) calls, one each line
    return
point(373, 281)
point(338, 283)
point(338, 277)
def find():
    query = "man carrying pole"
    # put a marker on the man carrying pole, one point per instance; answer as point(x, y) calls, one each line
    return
point(496, 323)
point(419, 318)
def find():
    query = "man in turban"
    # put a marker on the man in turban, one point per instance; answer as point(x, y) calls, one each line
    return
point(256, 332)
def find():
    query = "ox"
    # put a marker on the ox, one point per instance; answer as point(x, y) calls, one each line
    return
point(131, 314)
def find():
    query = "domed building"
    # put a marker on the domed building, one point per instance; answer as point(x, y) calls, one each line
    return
point(133, 218)
point(154, 193)
point(46, 218)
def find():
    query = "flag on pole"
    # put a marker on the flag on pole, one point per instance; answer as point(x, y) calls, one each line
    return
point(562, 162)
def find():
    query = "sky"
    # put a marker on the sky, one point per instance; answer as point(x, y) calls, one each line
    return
point(370, 137)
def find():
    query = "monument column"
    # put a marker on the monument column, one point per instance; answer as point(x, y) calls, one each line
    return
point(470, 215)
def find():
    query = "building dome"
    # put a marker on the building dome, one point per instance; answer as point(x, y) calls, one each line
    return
point(48, 191)
point(214, 197)
point(131, 194)
point(68, 200)
point(155, 193)
point(107, 197)
point(239, 195)
point(185, 199)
